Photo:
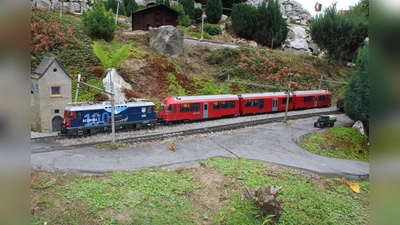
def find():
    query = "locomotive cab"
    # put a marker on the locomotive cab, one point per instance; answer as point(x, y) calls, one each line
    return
point(165, 111)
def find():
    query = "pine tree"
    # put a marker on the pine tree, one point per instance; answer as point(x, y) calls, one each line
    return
point(276, 26)
point(167, 3)
point(188, 7)
point(339, 35)
point(213, 11)
point(357, 90)
point(132, 6)
point(98, 22)
point(111, 4)
point(243, 17)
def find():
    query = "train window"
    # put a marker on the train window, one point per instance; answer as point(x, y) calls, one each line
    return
point(169, 109)
point(174, 108)
point(255, 103)
point(217, 105)
point(284, 101)
point(195, 107)
point(232, 104)
point(224, 105)
point(149, 109)
point(248, 103)
point(308, 99)
point(205, 106)
point(79, 115)
point(261, 103)
point(185, 107)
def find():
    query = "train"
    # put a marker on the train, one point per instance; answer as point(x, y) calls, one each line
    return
point(87, 119)
point(90, 118)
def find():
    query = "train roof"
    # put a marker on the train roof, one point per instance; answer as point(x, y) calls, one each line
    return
point(204, 97)
point(311, 92)
point(107, 104)
point(265, 94)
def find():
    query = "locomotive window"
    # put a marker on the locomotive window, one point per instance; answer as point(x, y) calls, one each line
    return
point(308, 99)
point(224, 105)
point(255, 102)
point(195, 107)
point(149, 109)
point(232, 104)
point(261, 103)
point(248, 103)
point(185, 107)
point(174, 108)
point(284, 101)
point(217, 105)
point(169, 109)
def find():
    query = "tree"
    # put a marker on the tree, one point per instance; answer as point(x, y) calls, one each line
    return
point(243, 17)
point(183, 19)
point(167, 3)
point(114, 55)
point(213, 11)
point(98, 22)
point(276, 26)
point(339, 35)
point(188, 7)
point(357, 90)
point(132, 6)
point(362, 9)
point(111, 4)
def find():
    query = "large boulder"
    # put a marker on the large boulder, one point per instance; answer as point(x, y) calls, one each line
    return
point(360, 127)
point(43, 3)
point(166, 39)
point(119, 85)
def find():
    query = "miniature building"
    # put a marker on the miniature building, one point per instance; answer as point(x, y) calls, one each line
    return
point(154, 16)
point(50, 94)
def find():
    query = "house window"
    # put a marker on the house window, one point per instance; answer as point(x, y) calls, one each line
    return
point(55, 91)
point(56, 111)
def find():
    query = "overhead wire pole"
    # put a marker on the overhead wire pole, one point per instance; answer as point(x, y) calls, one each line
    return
point(288, 96)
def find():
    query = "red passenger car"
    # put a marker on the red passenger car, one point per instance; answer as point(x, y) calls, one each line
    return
point(264, 102)
point(198, 107)
point(311, 99)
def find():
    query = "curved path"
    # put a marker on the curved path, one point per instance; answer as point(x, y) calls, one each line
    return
point(273, 143)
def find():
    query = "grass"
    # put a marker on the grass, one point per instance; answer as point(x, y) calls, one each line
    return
point(338, 142)
point(210, 194)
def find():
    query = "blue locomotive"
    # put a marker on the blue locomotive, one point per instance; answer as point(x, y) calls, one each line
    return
point(85, 118)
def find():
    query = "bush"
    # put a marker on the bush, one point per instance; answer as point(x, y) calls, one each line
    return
point(212, 29)
point(214, 11)
point(98, 22)
point(132, 6)
point(197, 13)
point(188, 7)
point(183, 19)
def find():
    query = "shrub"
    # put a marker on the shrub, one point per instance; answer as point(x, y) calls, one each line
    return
point(132, 6)
point(197, 13)
point(188, 7)
point(98, 22)
point(183, 19)
point(213, 11)
point(212, 29)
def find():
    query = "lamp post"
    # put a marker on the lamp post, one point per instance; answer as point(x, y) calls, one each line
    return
point(288, 95)
point(202, 24)
point(116, 15)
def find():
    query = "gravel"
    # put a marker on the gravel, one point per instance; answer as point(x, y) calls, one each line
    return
point(176, 128)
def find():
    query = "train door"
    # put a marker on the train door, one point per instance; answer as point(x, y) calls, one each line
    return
point(316, 101)
point(274, 104)
point(205, 110)
point(174, 111)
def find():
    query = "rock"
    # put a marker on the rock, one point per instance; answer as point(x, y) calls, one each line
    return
point(119, 85)
point(299, 32)
point(252, 44)
point(224, 17)
point(56, 5)
point(74, 7)
point(166, 39)
point(360, 127)
point(313, 48)
point(43, 3)
point(299, 44)
point(321, 55)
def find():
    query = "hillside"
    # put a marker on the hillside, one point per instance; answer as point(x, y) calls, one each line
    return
point(196, 71)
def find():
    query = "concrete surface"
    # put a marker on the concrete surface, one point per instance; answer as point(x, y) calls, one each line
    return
point(273, 143)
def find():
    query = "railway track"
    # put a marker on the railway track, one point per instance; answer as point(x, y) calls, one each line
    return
point(161, 136)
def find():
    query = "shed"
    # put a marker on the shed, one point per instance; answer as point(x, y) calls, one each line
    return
point(50, 94)
point(154, 16)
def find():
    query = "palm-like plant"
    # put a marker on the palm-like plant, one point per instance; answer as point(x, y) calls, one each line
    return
point(114, 56)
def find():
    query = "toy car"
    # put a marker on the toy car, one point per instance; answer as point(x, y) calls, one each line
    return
point(325, 120)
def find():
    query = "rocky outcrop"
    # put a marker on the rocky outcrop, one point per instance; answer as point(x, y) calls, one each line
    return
point(73, 6)
point(360, 127)
point(291, 10)
point(166, 39)
point(119, 85)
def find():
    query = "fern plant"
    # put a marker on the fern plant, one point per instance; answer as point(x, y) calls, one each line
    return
point(114, 55)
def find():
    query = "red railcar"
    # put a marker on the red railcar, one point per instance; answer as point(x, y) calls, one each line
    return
point(264, 102)
point(311, 99)
point(198, 107)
